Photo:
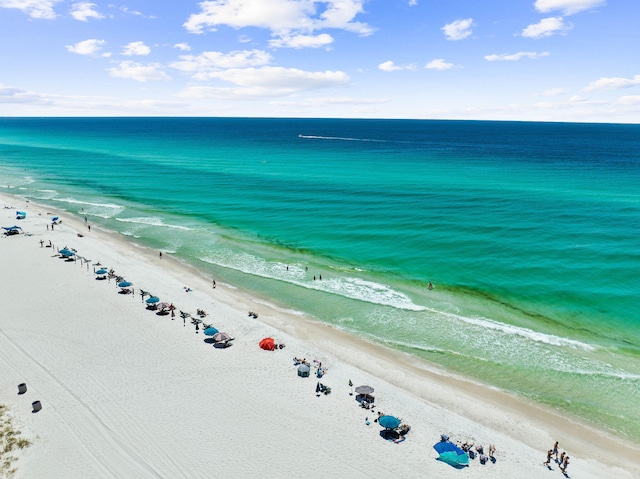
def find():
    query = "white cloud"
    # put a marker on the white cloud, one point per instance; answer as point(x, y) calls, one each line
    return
point(613, 83)
point(629, 100)
point(302, 41)
point(84, 11)
point(515, 56)
point(285, 18)
point(86, 47)
point(389, 66)
point(201, 65)
point(567, 7)
point(138, 71)
point(553, 92)
point(136, 49)
point(546, 27)
point(16, 95)
point(458, 30)
point(34, 8)
point(413, 3)
point(182, 46)
point(439, 64)
point(279, 78)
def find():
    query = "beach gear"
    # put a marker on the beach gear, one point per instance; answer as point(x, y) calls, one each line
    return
point(268, 344)
point(389, 422)
point(451, 454)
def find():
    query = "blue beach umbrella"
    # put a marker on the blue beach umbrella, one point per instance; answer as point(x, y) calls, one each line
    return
point(152, 300)
point(210, 331)
point(451, 454)
point(389, 422)
point(66, 252)
point(124, 284)
point(101, 271)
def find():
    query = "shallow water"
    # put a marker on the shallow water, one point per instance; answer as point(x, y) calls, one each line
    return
point(529, 231)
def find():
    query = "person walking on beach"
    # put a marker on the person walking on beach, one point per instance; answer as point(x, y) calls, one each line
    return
point(160, 254)
point(555, 450)
point(214, 284)
point(548, 461)
point(565, 464)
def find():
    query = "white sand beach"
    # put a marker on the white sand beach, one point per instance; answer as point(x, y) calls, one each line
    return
point(126, 393)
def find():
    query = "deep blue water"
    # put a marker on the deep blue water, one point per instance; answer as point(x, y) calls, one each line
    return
point(528, 231)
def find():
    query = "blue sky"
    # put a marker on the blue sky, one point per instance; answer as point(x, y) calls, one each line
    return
point(539, 60)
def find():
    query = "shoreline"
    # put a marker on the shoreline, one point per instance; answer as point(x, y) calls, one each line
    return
point(526, 428)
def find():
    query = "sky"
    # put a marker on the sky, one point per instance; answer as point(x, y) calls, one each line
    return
point(522, 60)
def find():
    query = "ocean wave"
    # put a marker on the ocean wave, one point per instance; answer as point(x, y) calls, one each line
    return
point(348, 287)
point(521, 332)
point(151, 221)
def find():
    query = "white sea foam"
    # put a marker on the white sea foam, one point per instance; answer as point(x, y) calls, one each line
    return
point(151, 221)
point(348, 287)
point(521, 332)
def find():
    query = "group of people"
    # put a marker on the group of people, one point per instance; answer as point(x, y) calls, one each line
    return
point(562, 460)
point(469, 448)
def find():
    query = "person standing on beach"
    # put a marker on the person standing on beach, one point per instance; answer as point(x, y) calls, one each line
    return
point(214, 284)
point(160, 254)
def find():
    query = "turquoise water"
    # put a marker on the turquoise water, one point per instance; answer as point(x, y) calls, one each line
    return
point(528, 231)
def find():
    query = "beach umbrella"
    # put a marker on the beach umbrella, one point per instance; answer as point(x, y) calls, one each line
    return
point(451, 454)
point(268, 344)
point(221, 337)
point(163, 306)
point(389, 422)
point(124, 284)
point(364, 390)
point(101, 271)
point(304, 370)
point(210, 331)
point(153, 300)
point(66, 252)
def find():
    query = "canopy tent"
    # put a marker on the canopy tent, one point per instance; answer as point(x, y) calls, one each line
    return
point(365, 390)
point(268, 344)
point(12, 230)
point(451, 454)
point(304, 370)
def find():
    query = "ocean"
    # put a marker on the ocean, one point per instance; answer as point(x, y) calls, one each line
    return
point(528, 232)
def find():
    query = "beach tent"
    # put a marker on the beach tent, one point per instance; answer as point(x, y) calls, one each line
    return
point(303, 371)
point(20, 215)
point(451, 454)
point(268, 344)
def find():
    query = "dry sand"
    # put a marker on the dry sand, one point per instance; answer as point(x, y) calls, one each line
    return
point(130, 394)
